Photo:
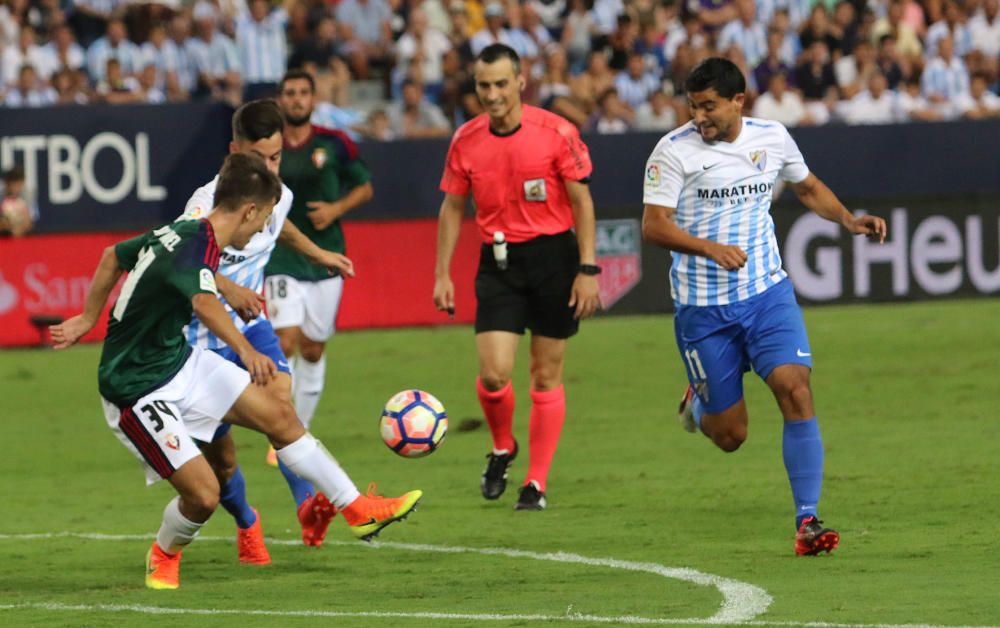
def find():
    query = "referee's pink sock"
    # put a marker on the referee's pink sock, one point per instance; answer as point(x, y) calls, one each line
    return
point(498, 407)
point(548, 411)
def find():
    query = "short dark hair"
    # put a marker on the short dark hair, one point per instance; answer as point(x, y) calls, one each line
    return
point(722, 75)
point(15, 173)
point(257, 120)
point(244, 178)
point(495, 52)
point(298, 74)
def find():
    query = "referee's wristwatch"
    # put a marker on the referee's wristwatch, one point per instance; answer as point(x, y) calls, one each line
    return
point(590, 269)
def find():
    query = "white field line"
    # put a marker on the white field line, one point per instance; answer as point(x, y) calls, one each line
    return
point(741, 602)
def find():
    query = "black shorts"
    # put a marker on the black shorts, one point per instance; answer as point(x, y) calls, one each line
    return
point(533, 291)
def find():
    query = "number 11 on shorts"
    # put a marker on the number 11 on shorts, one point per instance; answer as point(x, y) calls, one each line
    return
point(694, 365)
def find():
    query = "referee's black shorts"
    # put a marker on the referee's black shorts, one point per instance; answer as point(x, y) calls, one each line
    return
point(533, 291)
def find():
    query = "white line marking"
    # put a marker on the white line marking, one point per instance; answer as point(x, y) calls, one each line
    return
point(741, 602)
point(748, 597)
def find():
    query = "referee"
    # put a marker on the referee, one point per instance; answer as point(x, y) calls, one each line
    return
point(527, 170)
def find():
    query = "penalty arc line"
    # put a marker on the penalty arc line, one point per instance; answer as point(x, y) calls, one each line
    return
point(741, 602)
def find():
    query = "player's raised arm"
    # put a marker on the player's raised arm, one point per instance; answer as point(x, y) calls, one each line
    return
point(659, 228)
point(815, 195)
point(106, 276)
point(292, 237)
point(449, 226)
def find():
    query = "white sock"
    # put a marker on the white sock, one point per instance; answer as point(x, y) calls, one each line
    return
point(308, 458)
point(177, 531)
point(309, 380)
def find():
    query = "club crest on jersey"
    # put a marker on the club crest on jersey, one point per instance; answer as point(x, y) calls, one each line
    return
point(652, 175)
point(759, 159)
point(319, 157)
point(534, 190)
point(172, 442)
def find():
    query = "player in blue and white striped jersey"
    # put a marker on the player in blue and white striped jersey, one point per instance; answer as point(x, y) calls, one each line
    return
point(257, 129)
point(707, 194)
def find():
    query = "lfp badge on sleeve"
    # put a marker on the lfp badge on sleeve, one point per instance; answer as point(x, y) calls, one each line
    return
point(619, 253)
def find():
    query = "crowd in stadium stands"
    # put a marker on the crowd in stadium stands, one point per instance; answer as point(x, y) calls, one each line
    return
point(609, 66)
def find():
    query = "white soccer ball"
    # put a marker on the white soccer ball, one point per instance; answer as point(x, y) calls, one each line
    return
point(413, 423)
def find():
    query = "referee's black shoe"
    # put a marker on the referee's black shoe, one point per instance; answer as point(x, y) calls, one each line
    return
point(530, 498)
point(494, 481)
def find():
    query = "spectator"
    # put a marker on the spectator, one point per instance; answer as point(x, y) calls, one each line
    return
point(65, 86)
point(907, 42)
point(550, 14)
point(985, 30)
point(817, 82)
point(162, 55)
point(773, 63)
point(321, 55)
point(554, 91)
point(888, 61)
point(945, 79)
point(912, 106)
point(713, 14)
point(415, 117)
point(494, 32)
point(979, 103)
point(152, 94)
point(90, 19)
point(875, 105)
point(216, 62)
point(778, 103)
point(187, 74)
point(379, 127)
point(796, 12)
point(953, 24)
point(24, 52)
point(114, 45)
point(690, 32)
point(612, 116)
point(116, 88)
point(525, 22)
point(424, 47)
point(365, 24)
point(18, 213)
point(791, 47)
point(577, 32)
point(621, 43)
point(459, 36)
point(589, 85)
point(29, 92)
point(818, 28)
point(260, 40)
point(62, 51)
point(657, 114)
point(854, 70)
point(633, 85)
point(746, 33)
point(606, 14)
point(650, 46)
point(844, 26)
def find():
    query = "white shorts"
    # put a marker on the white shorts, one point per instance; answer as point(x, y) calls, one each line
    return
point(160, 428)
point(309, 305)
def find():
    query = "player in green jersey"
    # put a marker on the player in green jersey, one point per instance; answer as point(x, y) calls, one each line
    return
point(160, 395)
point(322, 169)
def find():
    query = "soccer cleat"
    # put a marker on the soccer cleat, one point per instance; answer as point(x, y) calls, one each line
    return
point(530, 498)
point(812, 538)
point(162, 569)
point(368, 514)
point(315, 514)
point(685, 413)
point(250, 544)
point(494, 481)
point(272, 457)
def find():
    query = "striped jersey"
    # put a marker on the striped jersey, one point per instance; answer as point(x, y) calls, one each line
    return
point(722, 192)
point(244, 266)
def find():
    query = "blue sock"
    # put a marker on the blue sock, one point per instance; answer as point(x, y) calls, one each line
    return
point(301, 488)
point(697, 409)
point(234, 500)
point(802, 449)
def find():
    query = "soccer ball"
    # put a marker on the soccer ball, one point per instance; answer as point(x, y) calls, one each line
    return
point(413, 423)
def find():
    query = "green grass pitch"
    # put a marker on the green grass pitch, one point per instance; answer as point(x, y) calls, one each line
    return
point(908, 398)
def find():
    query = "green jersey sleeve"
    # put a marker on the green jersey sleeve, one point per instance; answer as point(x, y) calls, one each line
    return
point(196, 262)
point(127, 251)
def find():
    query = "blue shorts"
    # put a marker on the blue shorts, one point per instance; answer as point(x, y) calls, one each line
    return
point(263, 339)
point(719, 343)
